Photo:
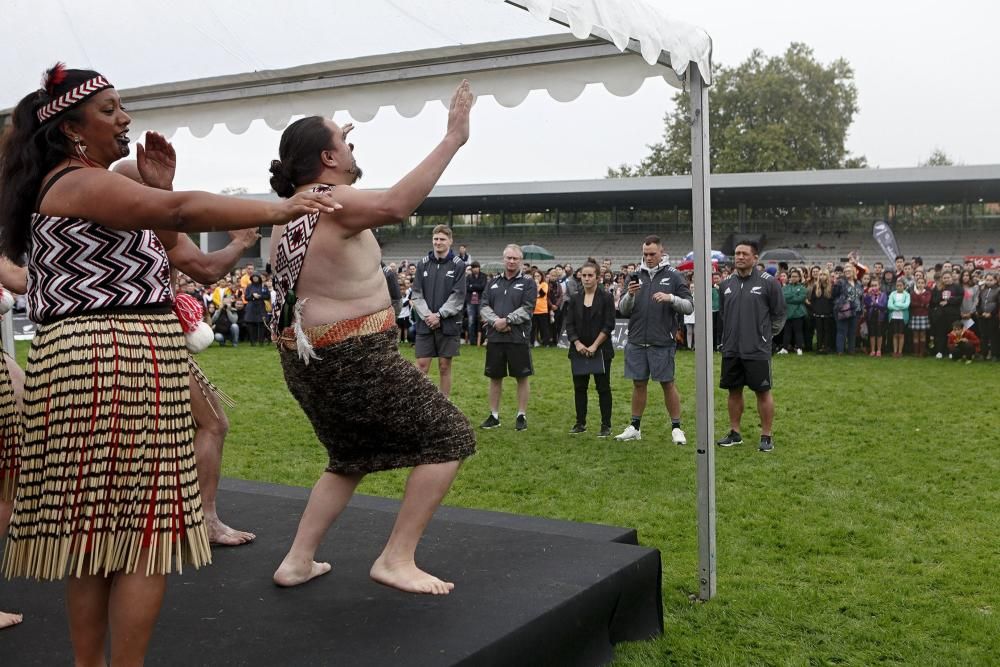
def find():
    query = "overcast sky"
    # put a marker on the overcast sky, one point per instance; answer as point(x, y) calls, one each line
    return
point(919, 67)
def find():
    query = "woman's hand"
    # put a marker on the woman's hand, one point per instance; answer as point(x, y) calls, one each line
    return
point(308, 202)
point(156, 161)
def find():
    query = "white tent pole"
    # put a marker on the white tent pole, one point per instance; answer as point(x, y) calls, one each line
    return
point(8, 333)
point(701, 214)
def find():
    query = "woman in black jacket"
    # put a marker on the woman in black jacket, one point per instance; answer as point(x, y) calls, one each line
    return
point(820, 305)
point(254, 311)
point(590, 319)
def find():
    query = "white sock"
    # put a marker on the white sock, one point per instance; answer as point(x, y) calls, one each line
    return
point(496, 415)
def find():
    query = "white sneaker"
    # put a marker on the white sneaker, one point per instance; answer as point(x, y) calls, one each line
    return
point(678, 437)
point(798, 351)
point(782, 351)
point(630, 433)
point(938, 356)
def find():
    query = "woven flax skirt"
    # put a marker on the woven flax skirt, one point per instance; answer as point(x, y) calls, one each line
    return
point(11, 435)
point(107, 466)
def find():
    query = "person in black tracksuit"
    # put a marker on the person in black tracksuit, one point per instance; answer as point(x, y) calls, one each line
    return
point(752, 311)
point(392, 283)
point(437, 300)
point(506, 310)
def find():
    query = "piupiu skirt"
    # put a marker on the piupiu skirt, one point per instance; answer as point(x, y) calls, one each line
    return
point(371, 408)
point(11, 435)
point(107, 466)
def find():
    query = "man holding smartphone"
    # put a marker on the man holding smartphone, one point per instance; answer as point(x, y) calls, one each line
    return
point(656, 293)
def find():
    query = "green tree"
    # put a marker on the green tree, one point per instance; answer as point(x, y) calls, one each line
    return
point(938, 158)
point(784, 113)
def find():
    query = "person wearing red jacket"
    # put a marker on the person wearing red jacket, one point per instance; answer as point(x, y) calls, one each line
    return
point(962, 342)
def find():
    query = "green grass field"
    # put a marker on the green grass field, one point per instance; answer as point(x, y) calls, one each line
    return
point(869, 536)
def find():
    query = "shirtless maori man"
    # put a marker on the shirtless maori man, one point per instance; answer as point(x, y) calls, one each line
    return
point(338, 348)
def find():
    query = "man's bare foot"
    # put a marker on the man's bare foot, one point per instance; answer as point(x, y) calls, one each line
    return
point(290, 573)
point(408, 578)
point(7, 619)
point(221, 534)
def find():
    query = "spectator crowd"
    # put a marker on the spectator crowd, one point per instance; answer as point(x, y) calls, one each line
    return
point(444, 300)
point(906, 309)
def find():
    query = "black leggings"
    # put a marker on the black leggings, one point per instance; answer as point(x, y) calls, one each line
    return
point(793, 333)
point(603, 384)
point(540, 328)
point(255, 331)
point(826, 330)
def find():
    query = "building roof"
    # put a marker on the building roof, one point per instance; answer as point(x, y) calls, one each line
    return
point(840, 187)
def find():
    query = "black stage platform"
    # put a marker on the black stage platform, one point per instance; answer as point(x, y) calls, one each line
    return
point(528, 591)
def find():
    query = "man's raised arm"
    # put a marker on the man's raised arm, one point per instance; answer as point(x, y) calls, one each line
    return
point(365, 210)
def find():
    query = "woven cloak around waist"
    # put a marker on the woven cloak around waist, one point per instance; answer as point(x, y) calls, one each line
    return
point(371, 408)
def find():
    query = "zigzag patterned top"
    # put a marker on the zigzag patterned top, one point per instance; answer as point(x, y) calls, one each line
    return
point(75, 266)
point(290, 253)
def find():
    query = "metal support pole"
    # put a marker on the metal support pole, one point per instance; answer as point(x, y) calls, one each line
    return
point(8, 334)
point(701, 218)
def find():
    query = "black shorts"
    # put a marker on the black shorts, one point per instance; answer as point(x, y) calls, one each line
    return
point(738, 373)
point(513, 359)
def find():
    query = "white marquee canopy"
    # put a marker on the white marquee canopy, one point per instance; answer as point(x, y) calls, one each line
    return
point(199, 63)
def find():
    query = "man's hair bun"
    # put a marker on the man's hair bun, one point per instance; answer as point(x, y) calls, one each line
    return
point(280, 182)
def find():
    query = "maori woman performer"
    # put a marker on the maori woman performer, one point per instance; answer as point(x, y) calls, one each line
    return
point(11, 430)
point(106, 398)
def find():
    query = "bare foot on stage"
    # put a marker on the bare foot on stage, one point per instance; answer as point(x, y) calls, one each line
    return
point(408, 578)
point(7, 619)
point(221, 534)
point(293, 574)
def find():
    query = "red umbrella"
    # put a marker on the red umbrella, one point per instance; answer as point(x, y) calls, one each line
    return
point(688, 265)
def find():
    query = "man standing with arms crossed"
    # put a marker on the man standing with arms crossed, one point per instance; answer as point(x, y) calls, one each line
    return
point(752, 311)
point(656, 293)
point(438, 299)
point(506, 312)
